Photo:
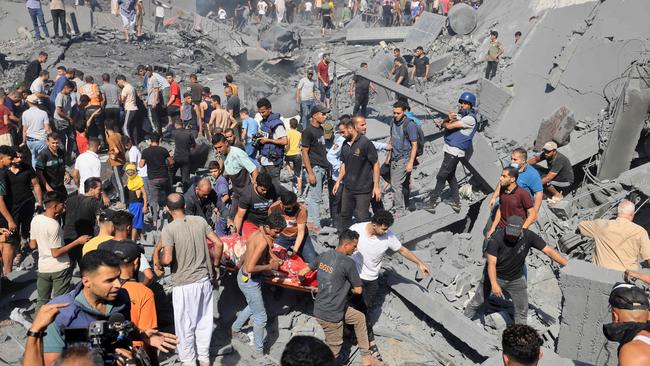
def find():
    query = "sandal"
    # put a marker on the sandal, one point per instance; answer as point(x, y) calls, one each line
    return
point(374, 351)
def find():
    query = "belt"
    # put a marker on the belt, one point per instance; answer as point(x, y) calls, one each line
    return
point(32, 139)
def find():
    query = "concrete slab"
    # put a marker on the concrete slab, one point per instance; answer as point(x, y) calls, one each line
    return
point(557, 127)
point(484, 163)
point(586, 288)
point(581, 148)
point(424, 31)
point(420, 224)
point(462, 19)
point(439, 63)
point(458, 326)
point(377, 130)
point(376, 35)
point(632, 108)
point(493, 99)
point(638, 178)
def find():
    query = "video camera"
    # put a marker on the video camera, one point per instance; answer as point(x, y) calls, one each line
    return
point(105, 336)
point(255, 139)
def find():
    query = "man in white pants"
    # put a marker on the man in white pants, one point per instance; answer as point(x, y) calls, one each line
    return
point(185, 248)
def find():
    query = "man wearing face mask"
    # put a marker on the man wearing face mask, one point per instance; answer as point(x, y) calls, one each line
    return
point(528, 179)
point(506, 255)
point(295, 237)
point(630, 326)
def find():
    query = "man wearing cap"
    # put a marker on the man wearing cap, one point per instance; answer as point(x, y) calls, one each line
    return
point(506, 253)
point(619, 242)
point(305, 97)
point(630, 326)
point(314, 157)
point(143, 305)
point(36, 127)
point(560, 175)
point(458, 130)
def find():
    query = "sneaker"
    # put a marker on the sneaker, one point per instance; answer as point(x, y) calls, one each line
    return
point(241, 337)
point(455, 206)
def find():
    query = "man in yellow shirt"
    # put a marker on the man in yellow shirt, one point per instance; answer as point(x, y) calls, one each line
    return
point(106, 230)
point(292, 155)
point(619, 242)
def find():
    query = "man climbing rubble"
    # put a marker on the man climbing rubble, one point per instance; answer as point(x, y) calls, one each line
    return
point(375, 239)
point(629, 327)
point(459, 129)
point(619, 242)
point(337, 277)
point(506, 253)
point(513, 200)
point(559, 178)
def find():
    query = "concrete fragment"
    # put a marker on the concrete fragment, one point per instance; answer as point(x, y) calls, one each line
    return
point(581, 148)
point(586, 289)
point(458, 326)
point(484, 163)
point(439, 63)
point(387, 34)
point(424, 31)
point(420, 224)
point(556, 127)
point(631, 109)
point(462, 19)
point(377, 130)
point(493, 99)
point(638, 177)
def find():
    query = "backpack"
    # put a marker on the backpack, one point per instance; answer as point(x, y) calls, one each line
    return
point(420, 140)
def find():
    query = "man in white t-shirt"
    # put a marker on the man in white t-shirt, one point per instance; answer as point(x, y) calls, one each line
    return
point(54, 270)
point(36, 126)
point(38, 85)
point(375, 239)
point(87, 165)
point(261, 10)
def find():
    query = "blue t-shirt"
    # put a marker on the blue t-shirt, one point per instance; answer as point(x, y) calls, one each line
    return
point(251, 128)
point(530, 180)
point(56, 89)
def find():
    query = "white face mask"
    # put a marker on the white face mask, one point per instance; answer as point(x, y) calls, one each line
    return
point(514, 165)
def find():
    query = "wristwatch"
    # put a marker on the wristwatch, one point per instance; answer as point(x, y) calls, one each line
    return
point(36, 334)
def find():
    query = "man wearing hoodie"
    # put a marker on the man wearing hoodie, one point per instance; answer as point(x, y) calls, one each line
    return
point(273, 143)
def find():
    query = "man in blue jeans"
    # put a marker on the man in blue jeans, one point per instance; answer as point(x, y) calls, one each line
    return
point(36, 13)
point(314, 157)
point(257, 259)
point(305, 97)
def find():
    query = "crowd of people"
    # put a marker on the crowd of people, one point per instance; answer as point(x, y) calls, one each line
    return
point(55, 200)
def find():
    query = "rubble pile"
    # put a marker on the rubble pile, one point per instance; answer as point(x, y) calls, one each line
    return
point(578, 76)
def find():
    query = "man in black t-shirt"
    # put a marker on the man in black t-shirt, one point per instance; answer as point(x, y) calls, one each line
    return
point(158, 161)
point(360, 88)
point(254, 205)
point(560, 177)
point(81, 215)
point(420, 72)
point(314, 158)
point(506, 257)
point(184, 143)
point(401, 77)
point(337, 277)
point(358, 163)
point(50, 167)
point(25, 194)
point(7, 154)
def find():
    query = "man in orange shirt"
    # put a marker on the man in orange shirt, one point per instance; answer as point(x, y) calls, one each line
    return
point(143, 306)
point(294, 237)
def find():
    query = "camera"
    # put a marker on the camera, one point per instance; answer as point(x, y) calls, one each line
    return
point(255, 139)
point(103, 337)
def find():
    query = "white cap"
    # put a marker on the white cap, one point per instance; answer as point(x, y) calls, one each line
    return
point(550, 146)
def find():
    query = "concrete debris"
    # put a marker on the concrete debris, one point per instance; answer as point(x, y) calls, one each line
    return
point(388, 34)
point(493, 100)
point(556, 128)
point(424, 31)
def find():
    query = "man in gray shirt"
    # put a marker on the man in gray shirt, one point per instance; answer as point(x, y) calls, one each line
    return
point(185, 248)
point(63, 119)
point(111, 93)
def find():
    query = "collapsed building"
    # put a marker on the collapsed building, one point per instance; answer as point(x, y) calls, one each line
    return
point(578, 76)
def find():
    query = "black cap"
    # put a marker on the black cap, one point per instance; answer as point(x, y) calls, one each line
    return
point(628, 297)
point(126, 250)
point(514, 225)
point(106, 215)
point(319, 109)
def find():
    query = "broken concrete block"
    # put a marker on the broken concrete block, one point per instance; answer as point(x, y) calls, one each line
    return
point(446, 274)
point(581, 148)
point(420, 224)
point(377, 130)
point(493, 99)
point(462, 18)
point(586, 289)
point(563, 209)
point(556, 127)
point(484, 163)
point(439, 63)
point(631, 108)
point(387, 34)
point(424, 31)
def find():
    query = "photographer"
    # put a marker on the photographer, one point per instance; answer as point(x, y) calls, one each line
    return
point(272, 145)
point(97, 297)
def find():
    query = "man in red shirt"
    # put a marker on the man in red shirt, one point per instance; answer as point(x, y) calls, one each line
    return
point(513, 201)
point(5, 127)
point(324, 79)
point(175, 101)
